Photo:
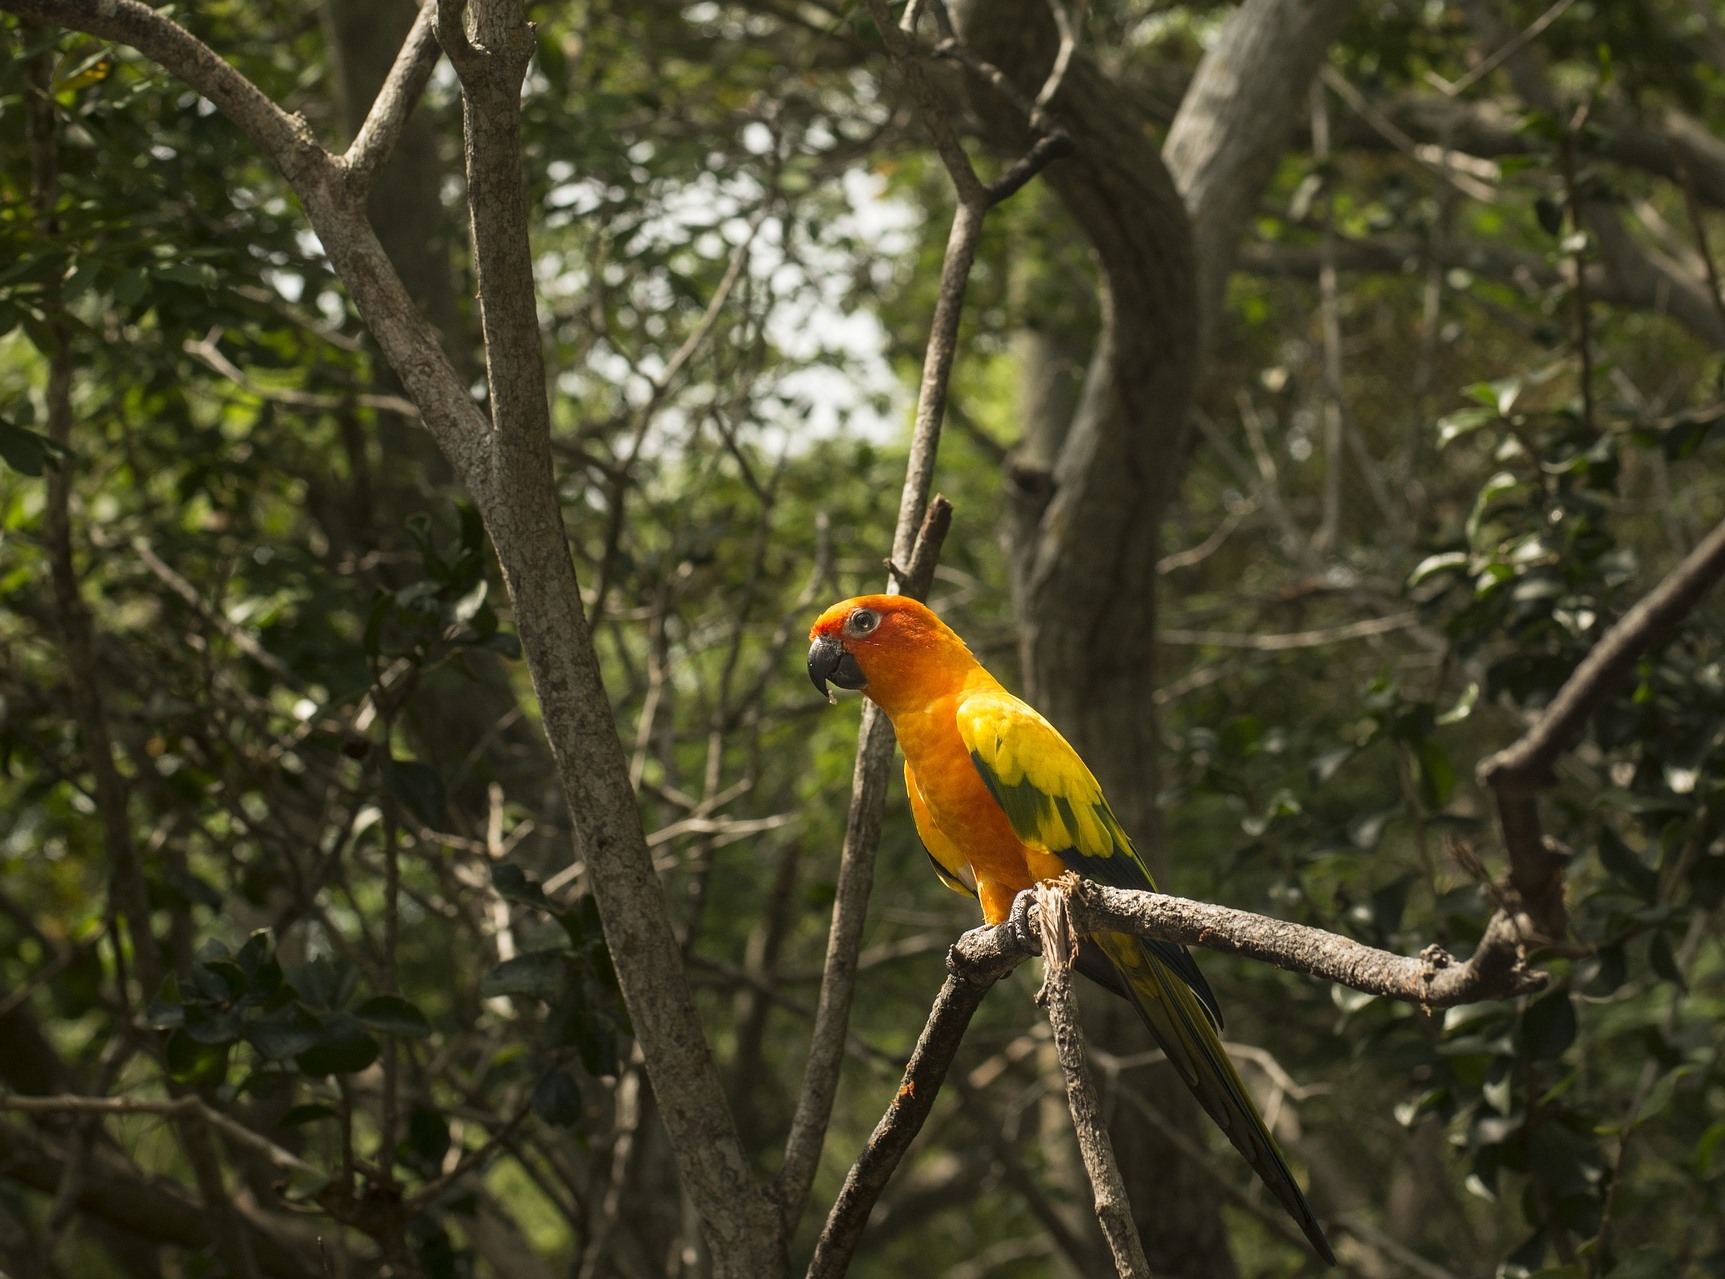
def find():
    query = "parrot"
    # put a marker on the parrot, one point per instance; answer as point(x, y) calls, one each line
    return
point(1002, 802)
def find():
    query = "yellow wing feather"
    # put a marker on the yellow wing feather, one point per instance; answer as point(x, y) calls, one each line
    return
point(1053, 801)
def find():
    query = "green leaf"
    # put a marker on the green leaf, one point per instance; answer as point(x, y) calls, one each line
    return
point(1433, 1099)
point(1659, 1097)
point(557, 1100)
point(1463, 705)
point(1708, 1146)
point(1324, 766)
point(191, 1062)
point(1437, 774)
point(427, 1136)
point(166, 1010)
point(1604, 973)
point(343, 1049)
point(220, 980)
point(514, 884)
point(324, 982)
point(284, 1032)
point(1548, 1026)
point(419, 788)
point(209, 1024)
point(392, 1015)
point(1432, 565)
point(539, 973)
point(27, 452)
point(1624, 865)
point(1663, 960)
point(1462, 422)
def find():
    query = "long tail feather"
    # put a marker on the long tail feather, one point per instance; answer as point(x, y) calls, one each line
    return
point(1177, 1018)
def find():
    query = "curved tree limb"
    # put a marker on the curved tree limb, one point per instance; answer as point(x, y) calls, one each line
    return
point(395, 101)
point(1236, 119)
point(1516, 774)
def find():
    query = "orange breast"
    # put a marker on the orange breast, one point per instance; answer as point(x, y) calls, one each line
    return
point(965, 811)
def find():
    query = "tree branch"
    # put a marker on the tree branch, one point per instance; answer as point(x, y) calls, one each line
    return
point(980, 959)
point(915, 547)
point(1516, 774)
point(869, 781)
point(153, 1209)
point(1496, 970)
point(1113, 1210)
point(395, 101)
point(178, 1107)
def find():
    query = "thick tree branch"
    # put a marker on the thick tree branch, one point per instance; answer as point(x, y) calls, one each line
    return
point(514, 488)
point(1496, 970)
point(1235, 120)
point(518, 498)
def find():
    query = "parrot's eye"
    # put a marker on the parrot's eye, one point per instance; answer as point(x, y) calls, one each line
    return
point(862, 621)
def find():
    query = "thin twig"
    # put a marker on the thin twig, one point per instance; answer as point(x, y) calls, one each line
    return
point(1282, 643)
point(1113, 1209)
point(979, 960)
point(206, 352)
point(179, 1107)
point(1508, 50)
point(395, 100)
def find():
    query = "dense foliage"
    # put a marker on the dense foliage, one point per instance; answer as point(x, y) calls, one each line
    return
point(256, 662)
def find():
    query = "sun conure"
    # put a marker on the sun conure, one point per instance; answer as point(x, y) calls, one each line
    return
point(1002, 801)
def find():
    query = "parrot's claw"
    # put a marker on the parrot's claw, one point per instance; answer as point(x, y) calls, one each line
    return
point(1027, 933)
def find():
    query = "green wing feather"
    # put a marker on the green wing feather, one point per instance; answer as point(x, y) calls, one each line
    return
point(1055, 804)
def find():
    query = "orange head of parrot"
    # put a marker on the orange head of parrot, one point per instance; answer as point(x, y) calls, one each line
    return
point(887, 646)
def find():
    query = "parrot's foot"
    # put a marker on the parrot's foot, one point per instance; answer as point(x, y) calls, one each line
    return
point(1025, 932)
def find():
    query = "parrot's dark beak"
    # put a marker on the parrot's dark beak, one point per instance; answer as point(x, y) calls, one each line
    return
point(829, 661)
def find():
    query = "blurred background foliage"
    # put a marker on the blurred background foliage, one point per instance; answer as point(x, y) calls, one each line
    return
point(1429, 471)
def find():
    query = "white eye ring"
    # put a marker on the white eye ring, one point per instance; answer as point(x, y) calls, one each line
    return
point(862, 621)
